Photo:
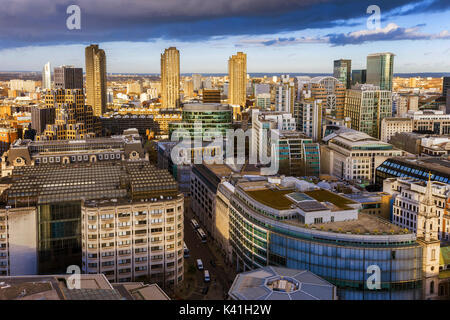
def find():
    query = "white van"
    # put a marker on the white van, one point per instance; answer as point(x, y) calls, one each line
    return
point(207, 278)
point(199, 264)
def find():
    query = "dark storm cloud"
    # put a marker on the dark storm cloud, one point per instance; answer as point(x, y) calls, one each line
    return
point(42, 22)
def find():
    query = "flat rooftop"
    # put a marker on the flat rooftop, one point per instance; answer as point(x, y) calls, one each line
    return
point(56, 287)
point(365, 224)
point(284, 199)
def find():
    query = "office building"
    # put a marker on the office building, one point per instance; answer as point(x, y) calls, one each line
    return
point(391, 126)
point(405, 103)
point(298, 155)
point(446, 93)
point(430, 121)
point(380, 69)
point(22, 85)
point(213, 117)
point(237, 74)
point(197, 81)
point(205, 179)
point(285, 95)
point(7, 136)
point(276, 283)
point(182, 171)
point(366, 106)
point(354, 155)
point(40, 117)
point(359, 76)
point(342, 70)
point(127, 146)
point(308, 116)
point(414, 167)
point(262, 124)
point(261, 88)
point(188, 88)
point(407, 195)
point(445, 86)
point(73, 119)
point(211, 96)
point(96, 79)
point(263, 101)
point(170, 78)
point(331, 93)
point(120, 218)
point(68, 77)
point(284, 222)
point(46, 77)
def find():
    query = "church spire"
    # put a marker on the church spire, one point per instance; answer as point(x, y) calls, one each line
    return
point(428, 198)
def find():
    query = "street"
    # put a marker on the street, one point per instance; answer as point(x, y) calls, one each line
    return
point(221, 275)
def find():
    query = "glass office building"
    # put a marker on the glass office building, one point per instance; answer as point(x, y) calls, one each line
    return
point(209, 118)
point(380, 70)
point(266, 229)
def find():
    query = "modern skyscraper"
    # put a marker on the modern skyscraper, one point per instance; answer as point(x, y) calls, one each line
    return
point(46, 77)
point(359, 76)
point(342, 70)
point(96, 79)
point(237, 73)
point(170, 78)
point(445, 86)
point(446, 93)
point(68, 77)
point(380, 69)
point(366, 105)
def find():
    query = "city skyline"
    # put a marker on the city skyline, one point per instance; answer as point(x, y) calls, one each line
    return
point(293, 42)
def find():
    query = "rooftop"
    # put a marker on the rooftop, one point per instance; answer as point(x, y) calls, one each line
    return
point(365, 224)
point(89, 181)
point(57, 287)
point(429, 163)
point(274, 283)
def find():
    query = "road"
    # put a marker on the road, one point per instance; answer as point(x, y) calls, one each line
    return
point(221, 275)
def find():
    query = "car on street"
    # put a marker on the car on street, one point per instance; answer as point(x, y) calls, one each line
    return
point(199, 264)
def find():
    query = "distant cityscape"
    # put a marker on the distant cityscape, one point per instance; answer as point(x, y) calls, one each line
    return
point(224, 186)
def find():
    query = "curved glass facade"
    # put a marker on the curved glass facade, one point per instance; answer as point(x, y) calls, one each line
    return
point(341, 259)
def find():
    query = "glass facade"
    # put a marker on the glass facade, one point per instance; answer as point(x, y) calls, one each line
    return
point(59, 242)
point(259, 241)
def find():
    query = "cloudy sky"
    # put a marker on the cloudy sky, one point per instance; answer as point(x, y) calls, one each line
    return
point(277, 35)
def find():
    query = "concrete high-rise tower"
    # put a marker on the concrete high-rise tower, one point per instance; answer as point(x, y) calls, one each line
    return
point(46, 77)
point(170, 78)
point(380, 70)
point(237, 73)
point(96, 79)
